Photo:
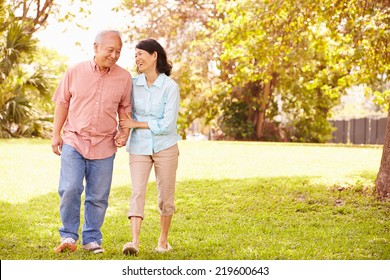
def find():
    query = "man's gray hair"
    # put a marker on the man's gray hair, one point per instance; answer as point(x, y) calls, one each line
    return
point(99, 36)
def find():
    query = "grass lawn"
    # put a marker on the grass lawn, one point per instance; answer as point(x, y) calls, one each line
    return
point(235, 201)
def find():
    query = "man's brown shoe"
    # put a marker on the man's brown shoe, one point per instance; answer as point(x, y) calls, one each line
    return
point(66, 243)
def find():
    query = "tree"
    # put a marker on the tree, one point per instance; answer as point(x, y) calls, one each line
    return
point(16, 84)
point(33, 14)
point(375, 42)
point(283, 50)
point(25, 81)
point(246, 62)
point(382, 182)
point(185, 29)
point(367, 25)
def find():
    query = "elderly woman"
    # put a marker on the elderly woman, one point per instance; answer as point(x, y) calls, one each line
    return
point(153, 140)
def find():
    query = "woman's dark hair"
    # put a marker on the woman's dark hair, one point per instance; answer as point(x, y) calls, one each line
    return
point(151, 46)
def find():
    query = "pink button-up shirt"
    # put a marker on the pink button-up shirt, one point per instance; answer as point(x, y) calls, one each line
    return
point(94, 101)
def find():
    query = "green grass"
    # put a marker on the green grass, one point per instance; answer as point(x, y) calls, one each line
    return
point(235, 201)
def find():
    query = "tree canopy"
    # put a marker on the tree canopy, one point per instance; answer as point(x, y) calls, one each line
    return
point(248, 70)
point(27, 72)
point(249, 66)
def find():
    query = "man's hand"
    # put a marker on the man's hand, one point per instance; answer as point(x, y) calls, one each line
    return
point(121, 137)
point(60, 115)
point(56, 144)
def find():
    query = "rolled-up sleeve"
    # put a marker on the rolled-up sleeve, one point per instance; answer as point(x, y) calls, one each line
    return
point(62, 94)
point(168, 122)
point(126, 101)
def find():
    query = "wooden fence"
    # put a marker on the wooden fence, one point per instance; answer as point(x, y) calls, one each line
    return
point(360, 131)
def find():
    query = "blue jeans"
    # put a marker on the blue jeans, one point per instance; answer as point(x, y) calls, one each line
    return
point(98, 176)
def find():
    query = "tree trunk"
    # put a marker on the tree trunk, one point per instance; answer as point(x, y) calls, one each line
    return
point(382, 184)
point(260, 121)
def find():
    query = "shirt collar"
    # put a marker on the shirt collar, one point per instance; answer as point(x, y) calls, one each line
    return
point(95, 67)
point(141, 81)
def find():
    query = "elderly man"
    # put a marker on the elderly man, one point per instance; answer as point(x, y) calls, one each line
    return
point(90, 98)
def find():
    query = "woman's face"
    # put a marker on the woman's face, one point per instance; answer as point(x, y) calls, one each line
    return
point(145, 61)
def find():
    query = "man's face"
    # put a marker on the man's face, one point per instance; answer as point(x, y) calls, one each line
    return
point(107, 53)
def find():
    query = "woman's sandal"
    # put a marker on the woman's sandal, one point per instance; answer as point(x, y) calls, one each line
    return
point(161, 249)
point(130, 249)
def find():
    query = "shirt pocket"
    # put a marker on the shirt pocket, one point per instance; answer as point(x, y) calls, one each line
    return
point(157, 108)
point(112, 97)
point(139, 106)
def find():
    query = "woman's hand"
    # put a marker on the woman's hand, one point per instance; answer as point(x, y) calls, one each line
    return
point(127, 123)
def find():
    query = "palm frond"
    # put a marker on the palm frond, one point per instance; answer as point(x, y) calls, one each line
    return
point(15, 110)
point(39, 82)
point(17, 42)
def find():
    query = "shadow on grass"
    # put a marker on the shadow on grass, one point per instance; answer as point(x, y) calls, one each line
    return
point(255, 218)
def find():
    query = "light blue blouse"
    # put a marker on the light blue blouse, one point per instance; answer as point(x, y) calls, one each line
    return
point(157, 105)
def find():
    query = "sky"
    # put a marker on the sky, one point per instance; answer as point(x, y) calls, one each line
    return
point(101, 17)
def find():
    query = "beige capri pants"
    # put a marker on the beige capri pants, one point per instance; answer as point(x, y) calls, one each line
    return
point(165, 166)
